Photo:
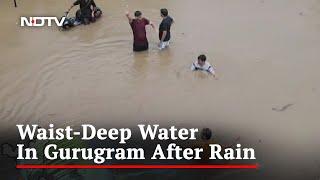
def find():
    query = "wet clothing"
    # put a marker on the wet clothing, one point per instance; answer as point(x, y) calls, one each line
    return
point(164, 45)
point(165, 26)
point(206, 67)
point(140, 41)
point(138, 48)
point(85, 13)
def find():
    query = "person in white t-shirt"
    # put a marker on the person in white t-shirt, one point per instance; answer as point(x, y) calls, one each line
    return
point(202, 65)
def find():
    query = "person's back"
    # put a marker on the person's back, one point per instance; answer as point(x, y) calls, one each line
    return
point(139, 33)
point(138, 25)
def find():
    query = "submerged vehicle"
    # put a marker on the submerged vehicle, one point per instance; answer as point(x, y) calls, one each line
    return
point(70, 22)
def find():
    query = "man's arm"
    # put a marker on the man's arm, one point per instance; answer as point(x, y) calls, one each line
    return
point(93, 4)
point(77, 2)
point(148, 22)
point(161, 44)
point(193, 67)
point(164, 34)
point(212, 72)
point(129, 17)
point(94, 7)
point(152, 25)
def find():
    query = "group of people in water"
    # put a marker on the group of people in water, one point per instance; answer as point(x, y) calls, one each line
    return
point(138, 23)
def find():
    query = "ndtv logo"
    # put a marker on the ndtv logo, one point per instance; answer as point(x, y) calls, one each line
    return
point(41, 21)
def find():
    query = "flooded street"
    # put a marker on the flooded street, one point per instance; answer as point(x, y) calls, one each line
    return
point(266, 53)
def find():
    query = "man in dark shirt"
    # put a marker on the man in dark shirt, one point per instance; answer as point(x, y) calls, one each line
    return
point(164, 29)
point(138, 25)
point(85, 13)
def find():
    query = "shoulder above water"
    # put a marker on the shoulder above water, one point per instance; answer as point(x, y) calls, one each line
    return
point(206, 67)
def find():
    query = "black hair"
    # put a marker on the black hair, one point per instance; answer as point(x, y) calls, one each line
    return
point(137, 13)
point(202, 57)
point(206, 134)
point(164, 12)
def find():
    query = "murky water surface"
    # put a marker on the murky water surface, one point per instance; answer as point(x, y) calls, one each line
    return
point(266, 53)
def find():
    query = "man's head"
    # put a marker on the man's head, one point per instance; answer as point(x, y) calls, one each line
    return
point(202, 59)
point(164, 12)
point(206, 134)
point(138, 14)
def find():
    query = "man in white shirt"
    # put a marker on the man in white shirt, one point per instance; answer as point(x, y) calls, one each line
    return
point(202, 65)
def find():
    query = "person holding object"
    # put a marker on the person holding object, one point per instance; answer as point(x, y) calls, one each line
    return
point(86, 12)
point(164, 29)
point(202, 65)
point(138, 25)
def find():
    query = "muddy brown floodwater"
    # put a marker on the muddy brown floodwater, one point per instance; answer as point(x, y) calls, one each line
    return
point(266, 53)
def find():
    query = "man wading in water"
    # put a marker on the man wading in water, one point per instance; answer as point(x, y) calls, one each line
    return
point(85, 13)
point(138, 25)
point(164, 29)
